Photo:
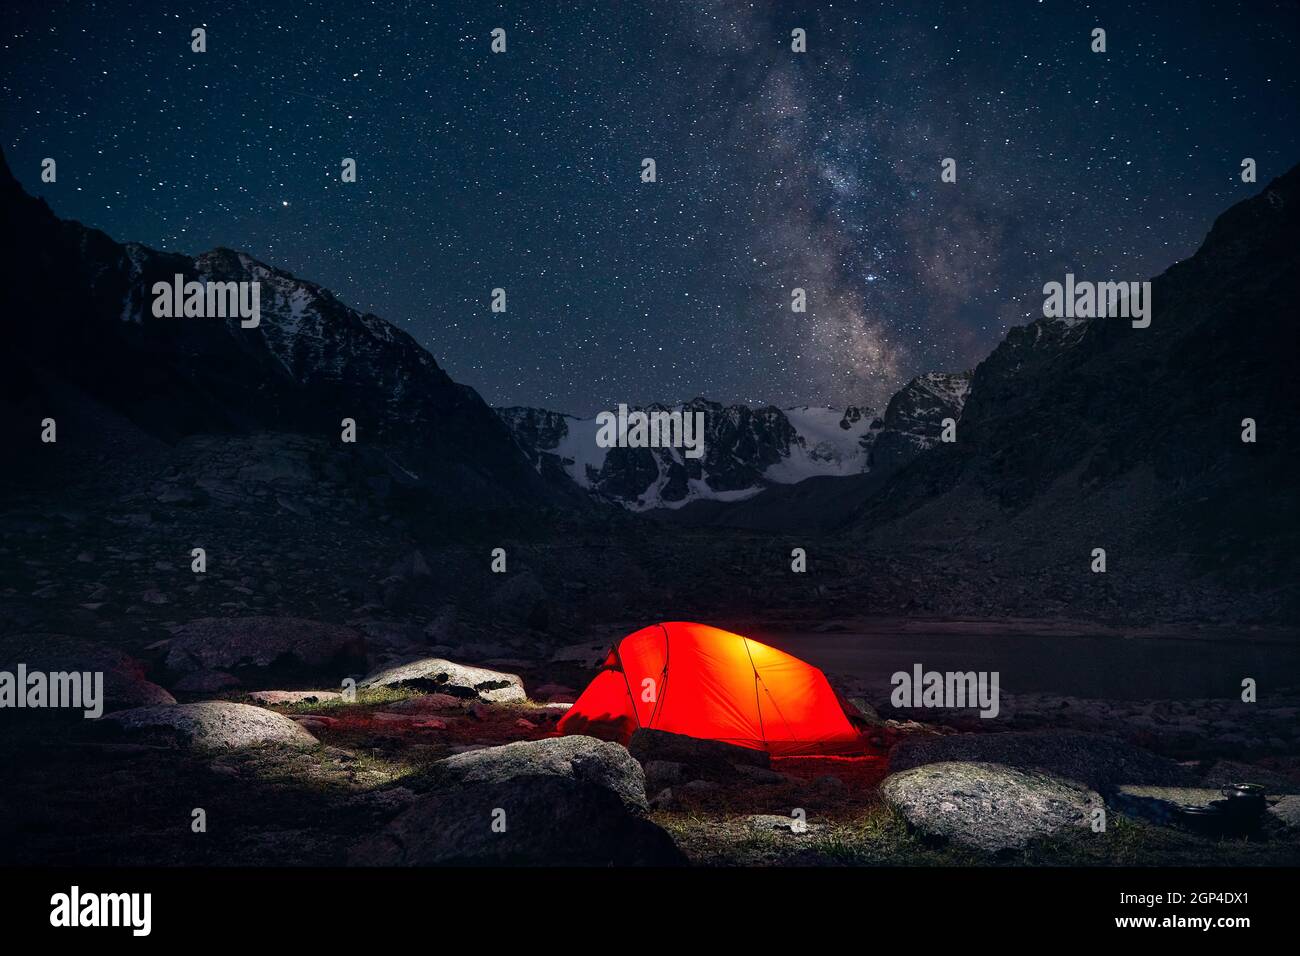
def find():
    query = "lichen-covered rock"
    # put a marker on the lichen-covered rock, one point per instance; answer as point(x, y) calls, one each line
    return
point(446, 677)
point(573, 801)
point(584, 759)
point(987, 806)
point(210, 725)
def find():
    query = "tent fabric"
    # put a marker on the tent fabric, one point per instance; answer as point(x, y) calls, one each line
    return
point(701, 681)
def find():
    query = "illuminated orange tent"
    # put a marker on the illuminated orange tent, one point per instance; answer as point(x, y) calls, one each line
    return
point(704, 682)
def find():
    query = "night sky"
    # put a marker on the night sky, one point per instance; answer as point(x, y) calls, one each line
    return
point(776, 169)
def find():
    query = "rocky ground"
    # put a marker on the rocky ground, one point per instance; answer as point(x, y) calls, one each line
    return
point(101, 545)
point(416, 763)
point(228, 690)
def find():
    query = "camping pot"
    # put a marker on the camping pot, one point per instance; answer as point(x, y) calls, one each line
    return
point(1243, 799)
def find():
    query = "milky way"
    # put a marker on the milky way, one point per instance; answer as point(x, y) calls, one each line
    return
point(776, 170)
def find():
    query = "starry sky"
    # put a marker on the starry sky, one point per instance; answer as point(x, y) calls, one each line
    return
point(776, 169)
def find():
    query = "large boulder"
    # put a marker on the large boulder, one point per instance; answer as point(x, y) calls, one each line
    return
point(432, 674)
point(584, 759)
point(986, 806)
point(702, 756)
point(283, 646)
point(1096, 760)
point(568, 801)
point(124, 682)
point(210, 725)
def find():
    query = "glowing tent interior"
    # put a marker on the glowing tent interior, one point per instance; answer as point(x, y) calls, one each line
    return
point(704, 682)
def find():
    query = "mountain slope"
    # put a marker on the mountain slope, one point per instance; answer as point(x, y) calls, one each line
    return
point(76, 307)
point(1097, 434)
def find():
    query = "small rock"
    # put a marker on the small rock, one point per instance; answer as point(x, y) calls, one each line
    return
point(766, 822)
point(758, 774)
point(664, 800)
point(663, 773)
point(313, 725)
point(865, 711)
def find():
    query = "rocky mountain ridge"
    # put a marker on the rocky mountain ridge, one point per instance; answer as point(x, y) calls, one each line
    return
point(82, 341)
point(746, 449)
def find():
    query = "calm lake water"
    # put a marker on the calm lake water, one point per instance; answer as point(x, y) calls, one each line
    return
point(1103, 667)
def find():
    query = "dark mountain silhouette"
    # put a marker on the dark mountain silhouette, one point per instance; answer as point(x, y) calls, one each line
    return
point(79, 332)
point(1071, 436)
point(1098, 434)
point(1077, 435)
